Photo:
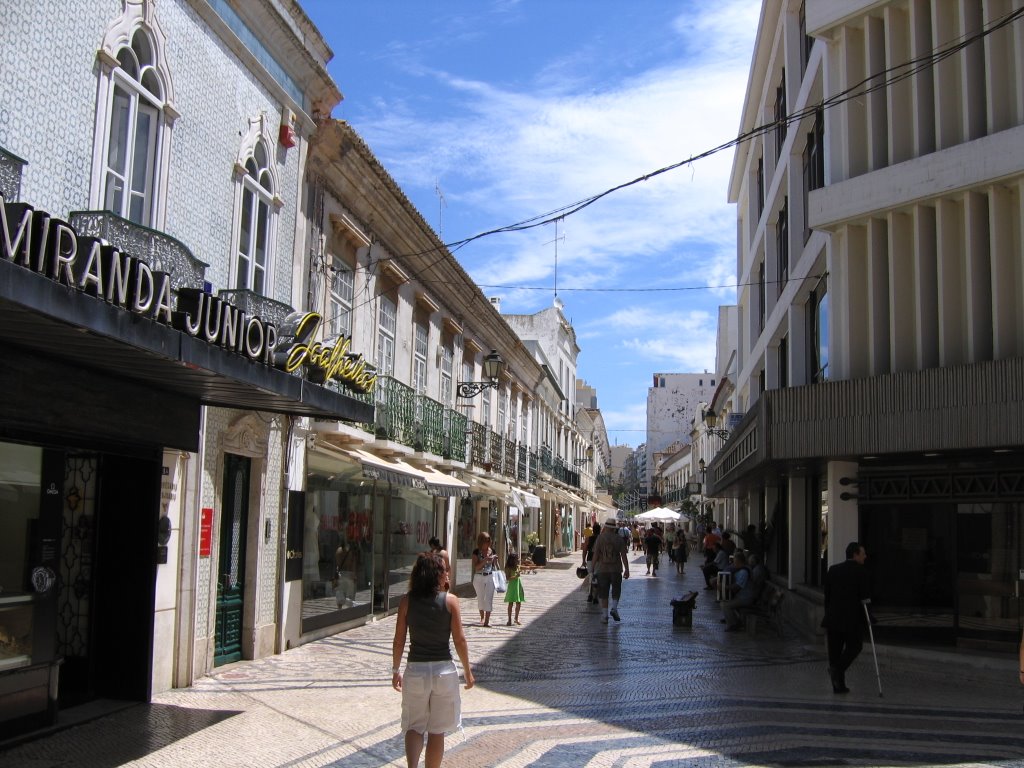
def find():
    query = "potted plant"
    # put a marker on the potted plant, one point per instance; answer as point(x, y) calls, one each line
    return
point(532, 540)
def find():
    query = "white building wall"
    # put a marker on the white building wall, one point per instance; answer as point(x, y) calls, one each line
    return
point(670, 407)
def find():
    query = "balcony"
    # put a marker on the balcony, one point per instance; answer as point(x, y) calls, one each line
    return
point(412, 419)
point(255, 305)
point(161, 252)
point(10, 176)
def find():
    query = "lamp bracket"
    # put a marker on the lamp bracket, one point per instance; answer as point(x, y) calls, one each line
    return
point(468, 389)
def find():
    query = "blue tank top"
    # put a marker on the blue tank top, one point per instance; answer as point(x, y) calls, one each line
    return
point(430, 628)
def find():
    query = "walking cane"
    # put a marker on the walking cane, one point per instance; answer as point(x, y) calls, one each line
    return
point(874, 653)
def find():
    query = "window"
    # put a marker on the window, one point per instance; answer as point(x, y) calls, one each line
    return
point(780, 115)
point(502, 412)
point(814, 164)
point(447, 365)
point(760, 187)
point(806, 41)
point(485, 405)
point(340, 301)
point(255, 222)
point(783, 362)
point(386, 324)
point(762, 296)
point(419, 358)
point(782, 244)
point(817, 316)
point(513, 422)
point(523, 436)
point(133, 128)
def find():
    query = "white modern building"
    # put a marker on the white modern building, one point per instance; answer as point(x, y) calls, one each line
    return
point(671, 400)
point(880, 347)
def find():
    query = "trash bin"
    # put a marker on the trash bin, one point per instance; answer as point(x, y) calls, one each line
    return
point(539, 555)
point(682, 609)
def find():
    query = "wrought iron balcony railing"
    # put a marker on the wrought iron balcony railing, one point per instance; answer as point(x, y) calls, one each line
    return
point(10, 176)
point(255, 305)
point(160, 251)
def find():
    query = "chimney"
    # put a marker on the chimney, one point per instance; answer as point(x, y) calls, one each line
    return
point(496, 302)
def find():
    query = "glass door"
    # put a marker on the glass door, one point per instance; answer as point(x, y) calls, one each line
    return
point(990, 540)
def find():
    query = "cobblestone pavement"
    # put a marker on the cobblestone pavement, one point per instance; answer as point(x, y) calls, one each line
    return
point(566, 691)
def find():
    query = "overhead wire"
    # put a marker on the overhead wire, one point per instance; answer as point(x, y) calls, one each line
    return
point(889, 76)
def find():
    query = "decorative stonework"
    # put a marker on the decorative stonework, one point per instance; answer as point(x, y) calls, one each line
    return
point(247, 436)
point(139, 13)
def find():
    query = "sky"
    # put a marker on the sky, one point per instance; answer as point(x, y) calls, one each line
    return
point(516, 109)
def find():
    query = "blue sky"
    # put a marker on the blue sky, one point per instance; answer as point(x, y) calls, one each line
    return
point(517, 108)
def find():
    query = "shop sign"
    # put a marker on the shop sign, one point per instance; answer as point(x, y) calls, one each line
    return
point(205, 531)
point(321, 362)
point(52, 248)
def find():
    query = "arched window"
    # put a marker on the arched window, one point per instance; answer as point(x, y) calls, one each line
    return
point(255, 225)
point(134, 115)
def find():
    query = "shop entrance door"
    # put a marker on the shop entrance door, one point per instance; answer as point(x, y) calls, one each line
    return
point(989, 588)
point(234, 524)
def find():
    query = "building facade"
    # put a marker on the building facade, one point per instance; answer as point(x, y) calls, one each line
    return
point(152, 180)
point(671, 400)
point(881, 329)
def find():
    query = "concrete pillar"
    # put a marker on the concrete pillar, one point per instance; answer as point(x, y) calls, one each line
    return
point(797, 524)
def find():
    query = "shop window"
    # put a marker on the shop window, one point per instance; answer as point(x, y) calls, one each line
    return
point(386, 327)
point(256, 220)
point(337, 547)
point(133, 120)
point(20, 468)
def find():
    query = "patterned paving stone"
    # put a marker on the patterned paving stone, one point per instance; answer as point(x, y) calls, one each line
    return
point(565, 690)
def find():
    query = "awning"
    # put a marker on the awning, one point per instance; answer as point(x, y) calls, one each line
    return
point(440, 484)
point(397, 472)
point(66, 325)
point(486, 486)
point(522, 498)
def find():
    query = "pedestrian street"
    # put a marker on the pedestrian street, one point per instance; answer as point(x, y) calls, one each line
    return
point(566, 691)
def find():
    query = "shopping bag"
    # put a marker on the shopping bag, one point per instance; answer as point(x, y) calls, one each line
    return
point(500, 582)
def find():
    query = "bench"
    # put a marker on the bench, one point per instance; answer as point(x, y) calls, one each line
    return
point(767, 607)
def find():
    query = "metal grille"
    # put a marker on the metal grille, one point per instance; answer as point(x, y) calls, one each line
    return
point(76, 554)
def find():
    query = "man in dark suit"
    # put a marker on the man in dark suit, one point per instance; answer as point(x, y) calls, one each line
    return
point(846, 593)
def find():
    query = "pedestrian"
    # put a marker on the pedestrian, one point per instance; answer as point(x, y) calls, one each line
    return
point(588, 562)
point(1022, 658)
point(437, 549)
point(681, 550)
point(847, 591)
point(653, 543)
point(431, 703)
point(514, 594)
point(611, 564)
point(484, 559)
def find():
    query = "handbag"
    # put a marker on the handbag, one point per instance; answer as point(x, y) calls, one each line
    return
point(500, 582)
point(581, 571)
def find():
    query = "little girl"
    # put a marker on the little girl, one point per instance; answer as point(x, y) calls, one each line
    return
point(514, 592)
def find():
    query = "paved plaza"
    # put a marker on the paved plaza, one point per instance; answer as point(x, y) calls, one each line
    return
point(566, 691)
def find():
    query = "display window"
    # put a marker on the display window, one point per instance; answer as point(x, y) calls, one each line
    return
point(465, 542)
point(20, 472)
point(409, 518)
point(338, 550)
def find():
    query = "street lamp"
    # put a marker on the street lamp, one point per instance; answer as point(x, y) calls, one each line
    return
point(586, 459)
point(493, 366)
point(710, 419)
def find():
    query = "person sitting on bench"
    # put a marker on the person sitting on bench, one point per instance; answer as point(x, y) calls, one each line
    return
point(720, 563)
point(743, 594)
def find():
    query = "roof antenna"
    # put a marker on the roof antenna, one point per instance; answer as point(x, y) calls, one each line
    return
point(556, 302)
point(441, 205)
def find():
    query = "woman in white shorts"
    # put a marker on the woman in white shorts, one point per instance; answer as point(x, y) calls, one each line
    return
point(484, 559)
point(431, 703)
